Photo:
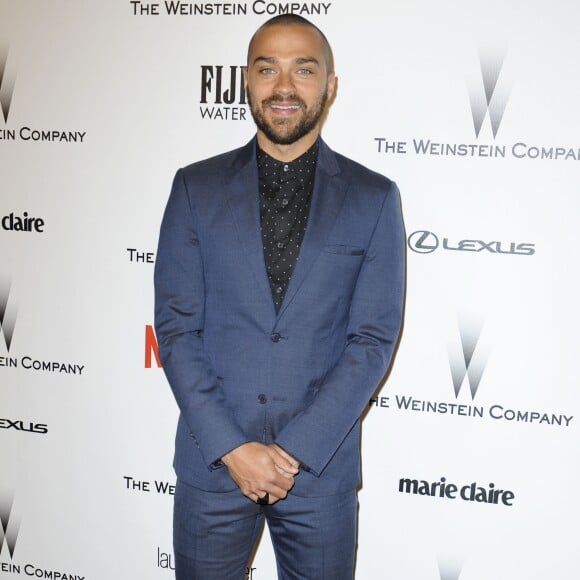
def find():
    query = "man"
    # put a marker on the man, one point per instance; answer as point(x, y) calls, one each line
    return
point(279, 291)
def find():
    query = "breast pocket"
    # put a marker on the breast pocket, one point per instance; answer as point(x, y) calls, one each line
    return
point(336, 270)
point(344, 250)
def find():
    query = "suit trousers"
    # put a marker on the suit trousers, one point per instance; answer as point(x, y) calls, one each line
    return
point(215, 532)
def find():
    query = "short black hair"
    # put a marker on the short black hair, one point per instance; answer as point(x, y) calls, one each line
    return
point(295, 20)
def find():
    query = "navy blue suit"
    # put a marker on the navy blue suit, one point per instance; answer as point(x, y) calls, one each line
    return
point(299, 378)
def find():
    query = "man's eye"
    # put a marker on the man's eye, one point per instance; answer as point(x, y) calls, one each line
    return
point(266, 71)
point(304, 71)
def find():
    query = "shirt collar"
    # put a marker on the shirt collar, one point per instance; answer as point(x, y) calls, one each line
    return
point(269, 167)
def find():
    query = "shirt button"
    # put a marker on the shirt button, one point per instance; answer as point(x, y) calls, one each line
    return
point(284, 202)
point(262, 399)
point(275, 337)
point(279, 289)
point(280, 245)
point(286, 167)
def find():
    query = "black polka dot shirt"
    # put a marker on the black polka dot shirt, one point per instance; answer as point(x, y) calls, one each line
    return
point(285, 194)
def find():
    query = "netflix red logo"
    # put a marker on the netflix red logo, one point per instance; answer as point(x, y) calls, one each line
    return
point(151, 348)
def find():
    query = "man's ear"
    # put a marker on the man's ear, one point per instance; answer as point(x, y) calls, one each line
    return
point(331, 85)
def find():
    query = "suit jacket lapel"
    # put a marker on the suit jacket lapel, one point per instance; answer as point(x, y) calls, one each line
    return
point(327, 198)
point(243, 198)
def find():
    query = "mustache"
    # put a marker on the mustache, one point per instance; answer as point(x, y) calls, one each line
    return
point(289, 100)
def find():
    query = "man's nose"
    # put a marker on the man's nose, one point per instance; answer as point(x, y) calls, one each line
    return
point(285, 84)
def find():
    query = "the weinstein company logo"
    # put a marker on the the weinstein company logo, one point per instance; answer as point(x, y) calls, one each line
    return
point(7, 314)
point(489, 92)
point(9, 526)
point(228, 9)
point(28, 363)
point(463, 362)
point(468, 358)
point(492, 96)
point(7, 80)
point(26, 133)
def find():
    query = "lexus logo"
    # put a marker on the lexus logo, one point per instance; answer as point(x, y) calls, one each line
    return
point(9, 526)
point(6, 83)
point(423, 242)
point(426, 242)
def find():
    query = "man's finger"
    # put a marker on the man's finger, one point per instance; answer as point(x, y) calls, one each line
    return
point(284, 473)
point(264, 499)
point(286, 456)
point(284, 461)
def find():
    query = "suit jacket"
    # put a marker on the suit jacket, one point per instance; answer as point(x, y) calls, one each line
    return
point(300, 378)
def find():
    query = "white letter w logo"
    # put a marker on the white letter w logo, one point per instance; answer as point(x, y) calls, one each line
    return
point(7, 79)
point(9, 526)
point(7, 314)
point(492, 98)
point(464, 361)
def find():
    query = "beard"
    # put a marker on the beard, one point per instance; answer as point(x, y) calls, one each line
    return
point(287, 131)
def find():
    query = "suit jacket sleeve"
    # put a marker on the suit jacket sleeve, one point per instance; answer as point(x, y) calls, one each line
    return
point(375, 318)
point(179, 324)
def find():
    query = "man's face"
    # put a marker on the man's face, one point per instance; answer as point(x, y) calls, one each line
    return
point(287, 82)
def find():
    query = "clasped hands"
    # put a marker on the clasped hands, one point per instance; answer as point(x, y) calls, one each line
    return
point(260, 469)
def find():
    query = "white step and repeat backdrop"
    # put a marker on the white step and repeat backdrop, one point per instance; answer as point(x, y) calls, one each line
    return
point(470, 450)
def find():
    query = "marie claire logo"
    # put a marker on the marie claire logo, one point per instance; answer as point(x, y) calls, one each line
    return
point(469, 492)
point(222, 93)
point(258, 7)
point(25, 132)
point(23, 223)
point(468, 358)
point(489, 92)
point(426, 242)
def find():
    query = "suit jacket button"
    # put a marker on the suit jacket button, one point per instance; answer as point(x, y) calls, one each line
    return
point(262, 399)
point(275, 337)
